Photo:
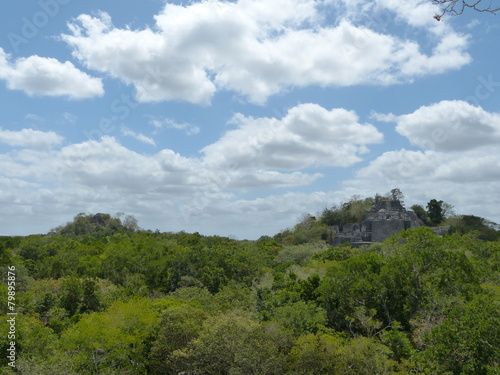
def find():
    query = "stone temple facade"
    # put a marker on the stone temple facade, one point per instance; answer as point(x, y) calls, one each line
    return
point(386, 218)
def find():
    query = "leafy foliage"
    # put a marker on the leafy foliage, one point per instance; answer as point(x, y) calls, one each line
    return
point(469, 223)
point(352, 211)
point(98, 225)
point(98, 299)
point(435, 212)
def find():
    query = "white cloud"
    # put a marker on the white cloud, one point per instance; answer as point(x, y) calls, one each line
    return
point(209, 194)
point(476, 166)
point(450, 126)
point(106, 164)
point(379, 13)
point(460, 163)
point(106, 176)
point(309, 135)
point(168, 191)
point(459, 142)
point(30, 138)
point(462, 179)
point(37, 75)
point(140, 137)
point(417, 13)
point(448, 54)
point(250, 47)
point(189, 129)
point(383, 117)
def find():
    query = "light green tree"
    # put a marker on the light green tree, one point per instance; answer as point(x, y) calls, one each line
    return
point(235, 343)
point(115, 339)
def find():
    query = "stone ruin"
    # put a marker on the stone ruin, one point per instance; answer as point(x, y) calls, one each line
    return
point(386, 218)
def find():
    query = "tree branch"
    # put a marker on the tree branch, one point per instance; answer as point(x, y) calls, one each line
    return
point(456, 7)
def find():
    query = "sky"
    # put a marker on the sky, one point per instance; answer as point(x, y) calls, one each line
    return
point(236, 118)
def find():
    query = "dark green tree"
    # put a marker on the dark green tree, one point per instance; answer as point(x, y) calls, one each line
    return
point(468, 341)
point(470, 223)
point(90, 300)
point(72, 295)
point(435, 211)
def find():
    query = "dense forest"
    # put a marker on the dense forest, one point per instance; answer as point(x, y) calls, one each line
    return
point(99, 295)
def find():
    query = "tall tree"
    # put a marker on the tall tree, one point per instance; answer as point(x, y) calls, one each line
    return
point(435, 211)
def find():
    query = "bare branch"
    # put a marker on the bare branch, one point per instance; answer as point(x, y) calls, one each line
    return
point(457, 7)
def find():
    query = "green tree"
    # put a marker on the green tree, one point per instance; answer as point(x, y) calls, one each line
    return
point(468, 341)
point(308, 229)
point(315, 354)
point(117, 339)
point(300, 317)
point(233, 296)
point(7, 245)
point(90, 300)
point(470, 223)
point(235, 343)
point(411, 272)
point(422, 270)
point(71, 295)
point(435, 212)
point(352, 211)
point(351, 291)
point(96, 225)
point(365, 356)
point(180, 325)
point(32, 338)
point(327, 354)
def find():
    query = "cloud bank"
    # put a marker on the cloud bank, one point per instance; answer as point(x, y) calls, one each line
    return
point(250, 47)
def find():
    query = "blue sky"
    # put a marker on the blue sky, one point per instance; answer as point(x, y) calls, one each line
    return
point(237, 117)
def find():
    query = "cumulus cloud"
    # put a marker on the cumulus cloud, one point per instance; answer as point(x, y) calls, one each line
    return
point(103, 174)
point(459, 163)
point(461, 179)
point(480, 165)
point(44, 76)
point(259, 154)
point(250, 47)
point(173, 192)
point(220, 191)
point(106, 164)
point(30, 138)
point(449, 126)
point(459, 142)
point(309, 135)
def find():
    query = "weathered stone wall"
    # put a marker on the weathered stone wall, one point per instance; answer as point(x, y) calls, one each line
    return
point(382, 229)
point(386, 218)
